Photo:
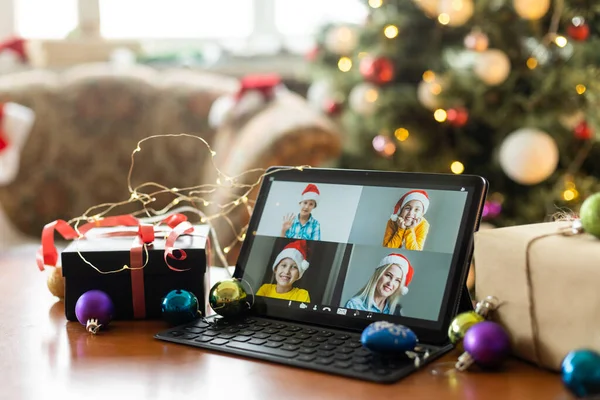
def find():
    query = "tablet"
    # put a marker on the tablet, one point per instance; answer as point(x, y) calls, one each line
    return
point(344, 248)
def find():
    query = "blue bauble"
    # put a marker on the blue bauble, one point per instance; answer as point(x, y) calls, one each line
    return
point(581, 372)
point(385, 337)
point(180, 307)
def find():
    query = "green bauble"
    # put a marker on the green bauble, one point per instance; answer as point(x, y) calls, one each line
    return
point(462, 323)
point(590, 215)
point(228, 298)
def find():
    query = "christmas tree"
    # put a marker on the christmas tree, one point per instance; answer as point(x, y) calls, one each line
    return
point(506, 89)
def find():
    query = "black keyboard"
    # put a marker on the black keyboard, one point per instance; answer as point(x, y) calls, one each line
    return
point(327, 350)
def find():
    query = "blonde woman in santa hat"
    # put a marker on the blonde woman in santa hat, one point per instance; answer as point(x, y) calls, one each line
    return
point(289, 266)
point(407, 227)
point(303, 225)
point(387, 285)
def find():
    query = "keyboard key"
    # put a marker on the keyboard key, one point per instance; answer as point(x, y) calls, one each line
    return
point(241, 338)
point(193, 329)
point(255, 328)
point(319, 339)
point(203, 339)
point(289, 347)
point(310, 344)
point(261, 336)
point(362, 352)
point(310, 331)
point(342, 337)
point(249, 321)
point(277, 338)
point(354, 345)
point(302, 336)
point(225, 335)
point(232, 330)
point(279, 326)
point(188, 336)
point(360, 367)
point(293, 341)
point(210, 333)
point(342, 357)
point(246, 333)
point(271, 331)
point(342, 364)
point(175, 333)
point(262, 323)
point(336, 342)
point(293, 329)
point(345, 350)
point(219, 342)
point(306, 350)
point(324, 361)
point(360, 360)
point(261, 349)
point(325, 333)
point(306, 357)
point(327, 347)
point(241, 326)
point(257, 341)
point(273, 344)
point(285, 333)
point(324, 354)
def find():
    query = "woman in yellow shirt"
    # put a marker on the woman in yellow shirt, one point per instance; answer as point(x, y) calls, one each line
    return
point(407, 228)
point(289, 266)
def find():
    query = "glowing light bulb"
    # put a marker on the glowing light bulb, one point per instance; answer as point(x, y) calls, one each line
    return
point(175, 202)
point(137, 149)
point(218, 181)
point(428, 76)
point(580, 89)
point(345, 64)
point(390, 31)
point(213, 153)
point(444, 19)
point(561, 41)
point(226, 249)
point(532, 63)
point(175, 189)
point(375, 3)
point(570, 194)
point(205, 203)
point(457, 167)
point(401, 134)
point(440, 115)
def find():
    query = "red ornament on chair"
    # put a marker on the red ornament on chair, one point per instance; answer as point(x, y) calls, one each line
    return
point(378, 70)
point(578, 29)
point(583, 131)
point(457, 117)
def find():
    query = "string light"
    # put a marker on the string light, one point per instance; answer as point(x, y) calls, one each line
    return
point(440, 115)
point(401, 134)
point(428, 76)
point(189, 196)
point(570, 194)
point(345, 64)
point(457, 167)
point(371, 95)
point(390, 31)
point(580, 89)
point(375, 3)
point(561, 41)
point(444, 19)
point(532, 63)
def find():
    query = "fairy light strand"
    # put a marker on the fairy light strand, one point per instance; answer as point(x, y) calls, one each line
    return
point(194, 195)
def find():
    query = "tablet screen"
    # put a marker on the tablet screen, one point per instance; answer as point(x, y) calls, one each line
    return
point(357, 249)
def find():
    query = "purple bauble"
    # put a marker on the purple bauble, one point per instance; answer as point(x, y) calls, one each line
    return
point(487, 343)
point(94, 304)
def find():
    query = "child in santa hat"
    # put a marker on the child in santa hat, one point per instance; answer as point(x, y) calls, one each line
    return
point(407, 228)
point(303, 225)
point(386, 286)
point(289, 266)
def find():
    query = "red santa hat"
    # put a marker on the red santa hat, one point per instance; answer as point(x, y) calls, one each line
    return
point(420, 195)
point(405, 266)
point(16, 122)
point(311, 192)
point(297, 251)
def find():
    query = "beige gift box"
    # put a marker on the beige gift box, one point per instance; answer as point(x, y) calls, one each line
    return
point(564, 300)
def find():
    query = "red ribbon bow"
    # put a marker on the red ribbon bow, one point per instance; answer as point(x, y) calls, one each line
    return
point(265, 84)
point(48, 255)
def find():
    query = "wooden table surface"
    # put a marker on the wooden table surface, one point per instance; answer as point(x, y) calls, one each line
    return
point(44, 356)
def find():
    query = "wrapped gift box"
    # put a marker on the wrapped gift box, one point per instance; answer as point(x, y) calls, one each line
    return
point(565, 281)
point(145, 287)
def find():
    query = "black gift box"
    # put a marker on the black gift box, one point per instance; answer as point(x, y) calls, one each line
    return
point(112, 253)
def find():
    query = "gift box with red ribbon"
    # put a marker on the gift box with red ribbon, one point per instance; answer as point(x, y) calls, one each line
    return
point(136, 264)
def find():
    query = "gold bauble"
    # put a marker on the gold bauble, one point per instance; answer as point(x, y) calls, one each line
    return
point(531, 9)
point(228, 298)
point(462, 323)
point(56, 282)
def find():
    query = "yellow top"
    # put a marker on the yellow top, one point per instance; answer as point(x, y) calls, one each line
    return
point(409, 238)
point(268, 290)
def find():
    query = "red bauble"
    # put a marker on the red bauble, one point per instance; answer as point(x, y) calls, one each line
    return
point(583, 131)
point(333, 107)
point(457, 116)
point(579, 33)
point(378, 70)
point(578, 29)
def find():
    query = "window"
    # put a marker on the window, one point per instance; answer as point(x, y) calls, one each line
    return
point(165, 19)
point(47, 19)
point(301, 17)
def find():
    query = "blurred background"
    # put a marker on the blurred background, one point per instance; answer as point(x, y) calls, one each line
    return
point(507, 89)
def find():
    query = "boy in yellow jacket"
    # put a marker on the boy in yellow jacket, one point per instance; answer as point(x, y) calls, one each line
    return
point(407, 228)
